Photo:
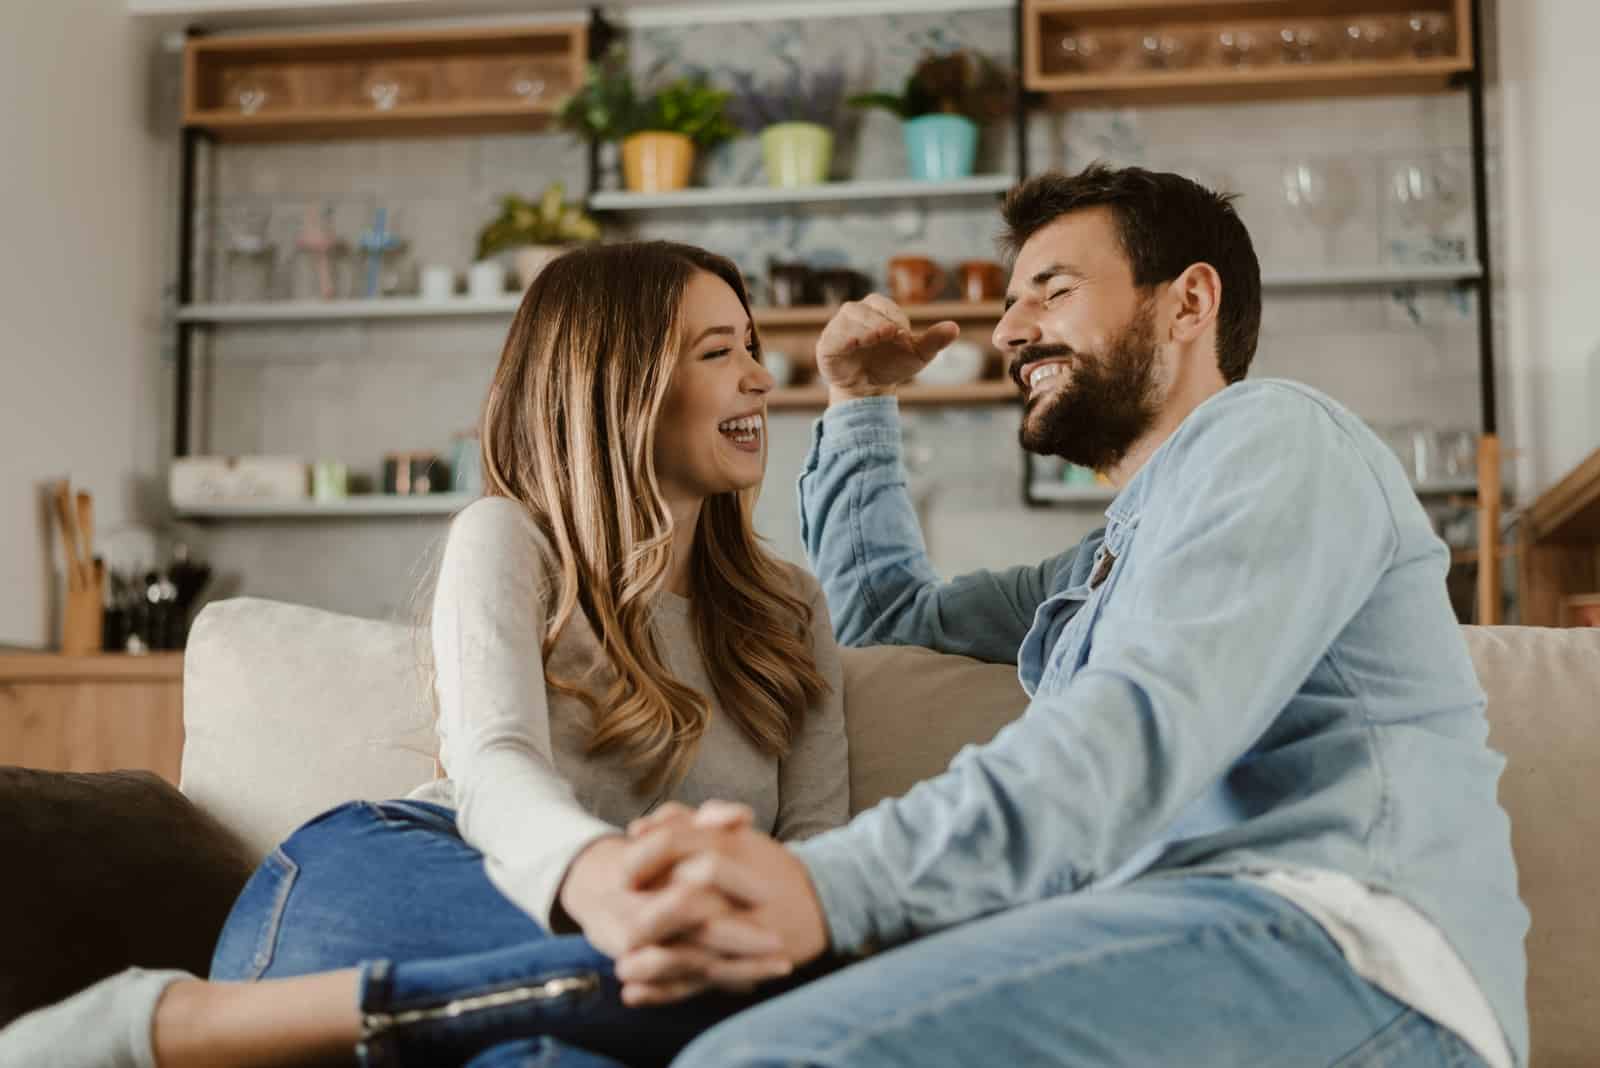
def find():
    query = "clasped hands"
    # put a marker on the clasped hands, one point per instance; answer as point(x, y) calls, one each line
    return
point(694, 899)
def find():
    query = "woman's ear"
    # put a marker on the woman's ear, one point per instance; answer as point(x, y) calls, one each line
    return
point(1197, 296)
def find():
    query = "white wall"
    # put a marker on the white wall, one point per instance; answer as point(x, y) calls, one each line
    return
point(84, 243)
point(1550, 258)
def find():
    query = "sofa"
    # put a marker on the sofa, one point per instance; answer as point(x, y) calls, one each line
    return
point(290, 710)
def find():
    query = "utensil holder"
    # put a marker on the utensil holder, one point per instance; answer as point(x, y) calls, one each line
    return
point(83, 622)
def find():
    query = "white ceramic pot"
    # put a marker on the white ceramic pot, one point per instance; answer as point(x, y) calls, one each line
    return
point(956, 364)
point(486, 280)
point(529, 260)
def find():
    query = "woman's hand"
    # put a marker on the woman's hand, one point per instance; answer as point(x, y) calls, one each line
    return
point(699, 850)
point(705, 919)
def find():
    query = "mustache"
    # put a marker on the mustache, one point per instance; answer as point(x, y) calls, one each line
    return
point(1034, 353)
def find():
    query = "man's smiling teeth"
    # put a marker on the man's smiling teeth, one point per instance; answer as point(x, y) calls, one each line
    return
point(750, 424)
point(1039, 374)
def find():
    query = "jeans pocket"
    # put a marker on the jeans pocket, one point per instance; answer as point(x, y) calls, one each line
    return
point(260, 908)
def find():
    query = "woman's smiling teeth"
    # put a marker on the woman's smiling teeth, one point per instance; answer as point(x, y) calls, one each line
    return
point(744, 432)
point(1042, 373)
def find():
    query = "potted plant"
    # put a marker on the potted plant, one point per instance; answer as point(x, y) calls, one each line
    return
point(659, 133)
point(942, 98)
point(536, 232)
point(795, 119)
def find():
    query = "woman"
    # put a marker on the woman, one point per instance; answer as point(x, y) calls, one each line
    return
point(608, 637)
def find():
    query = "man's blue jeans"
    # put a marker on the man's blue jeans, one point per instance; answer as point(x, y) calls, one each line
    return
point(1199, 972)
point(452, 972)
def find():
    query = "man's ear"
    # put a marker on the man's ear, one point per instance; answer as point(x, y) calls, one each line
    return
point(1197, 298)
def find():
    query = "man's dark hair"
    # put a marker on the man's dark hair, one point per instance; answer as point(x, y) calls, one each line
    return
point(1166, 224)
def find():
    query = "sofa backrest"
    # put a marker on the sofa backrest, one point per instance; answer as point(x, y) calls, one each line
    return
point(290, 710)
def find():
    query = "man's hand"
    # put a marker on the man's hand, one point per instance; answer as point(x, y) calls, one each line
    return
point(868, 348)
point(700, 852)
point(622, 915)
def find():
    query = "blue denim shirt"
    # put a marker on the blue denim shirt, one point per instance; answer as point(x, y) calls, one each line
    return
point(1254, 665)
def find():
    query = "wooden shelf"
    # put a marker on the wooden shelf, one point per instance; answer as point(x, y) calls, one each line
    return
point(310, 311)
point(105, 667)
point(410, 308)
point(986, 392)
point(361, 506)
point(1207, 79)
point(1061, 493)
point(457, 81)
point(823, 193)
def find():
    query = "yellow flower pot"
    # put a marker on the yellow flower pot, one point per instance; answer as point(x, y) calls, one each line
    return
point(655, 162)
point(797, 153)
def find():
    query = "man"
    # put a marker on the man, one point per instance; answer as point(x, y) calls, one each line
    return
point(1249, 816)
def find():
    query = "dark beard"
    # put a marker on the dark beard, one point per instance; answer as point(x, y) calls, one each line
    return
point(1108, 403)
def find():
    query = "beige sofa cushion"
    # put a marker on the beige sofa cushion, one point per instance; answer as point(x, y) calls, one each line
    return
point(1544, 715)
point(288, 711)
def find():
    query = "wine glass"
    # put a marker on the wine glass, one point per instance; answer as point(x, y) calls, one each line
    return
point(1429, 33)
point(1367, 39)
point(527, 82)
point(1321, 193)
point(249, 91)
point(1161, 50)
point(386, 88)
point(1088, 52)
point(1301, 43)
point(1424, 192)
point(1238, 47)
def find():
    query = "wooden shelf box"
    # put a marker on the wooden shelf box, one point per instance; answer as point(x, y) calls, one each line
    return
point(310, 86)
point(1122, 71)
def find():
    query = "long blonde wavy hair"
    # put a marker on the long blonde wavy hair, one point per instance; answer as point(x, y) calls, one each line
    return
point(569, 431)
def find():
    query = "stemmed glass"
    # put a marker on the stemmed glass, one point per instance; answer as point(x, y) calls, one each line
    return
point(1321, 193)
point(1429, 32)
point(1238, 47)
point(1088, 53)
point(1301, 43)
point(1162, 50)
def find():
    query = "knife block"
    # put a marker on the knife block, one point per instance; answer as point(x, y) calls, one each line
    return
point(83, 621)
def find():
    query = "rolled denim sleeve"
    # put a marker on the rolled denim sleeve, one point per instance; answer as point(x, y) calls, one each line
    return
point(1265, 532)
point(863, 542)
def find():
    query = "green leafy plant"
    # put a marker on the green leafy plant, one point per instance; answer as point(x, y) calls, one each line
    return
point(954, 83)
point(690, 107)
point(609, 107)
point(551, 220)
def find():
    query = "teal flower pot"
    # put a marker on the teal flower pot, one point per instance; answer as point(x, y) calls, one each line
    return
point(941, 147)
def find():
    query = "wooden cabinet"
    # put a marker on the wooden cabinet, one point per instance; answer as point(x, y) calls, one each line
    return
point(92, 713)
point(306, 86)
point(1559, 539)
point(1097, 52)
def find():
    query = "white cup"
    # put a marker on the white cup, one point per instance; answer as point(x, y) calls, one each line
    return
point(438, 283)
point(486, 280)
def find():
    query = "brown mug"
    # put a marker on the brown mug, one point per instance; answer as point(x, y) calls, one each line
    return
point(982, 280)
point(915, 280)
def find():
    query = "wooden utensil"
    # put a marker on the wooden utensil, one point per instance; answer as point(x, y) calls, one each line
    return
point(86, 531)
point(77, 577)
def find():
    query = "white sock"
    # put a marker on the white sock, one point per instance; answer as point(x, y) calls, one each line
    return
point(105, 1026)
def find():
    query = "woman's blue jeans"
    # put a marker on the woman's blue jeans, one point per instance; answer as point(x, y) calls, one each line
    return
point(452, 972)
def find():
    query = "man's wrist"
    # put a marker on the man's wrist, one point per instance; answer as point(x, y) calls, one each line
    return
point(844, 394)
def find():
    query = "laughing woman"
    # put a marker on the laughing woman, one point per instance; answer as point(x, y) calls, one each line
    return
point(608, 635)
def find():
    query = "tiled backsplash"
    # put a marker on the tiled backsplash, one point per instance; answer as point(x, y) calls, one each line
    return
point(353, 391)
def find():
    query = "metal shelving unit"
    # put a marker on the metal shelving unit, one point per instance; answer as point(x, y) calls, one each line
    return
point(1462, 72)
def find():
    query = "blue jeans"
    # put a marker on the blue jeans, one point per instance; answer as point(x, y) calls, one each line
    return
point(1167, 970)
point(452, 973)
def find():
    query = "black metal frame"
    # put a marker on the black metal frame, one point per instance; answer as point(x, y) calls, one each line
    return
point(1473, 82)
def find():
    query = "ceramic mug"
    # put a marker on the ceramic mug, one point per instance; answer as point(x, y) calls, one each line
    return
point(915, 280)
point(840, 284)
point(982, 280)
point(790, 284)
